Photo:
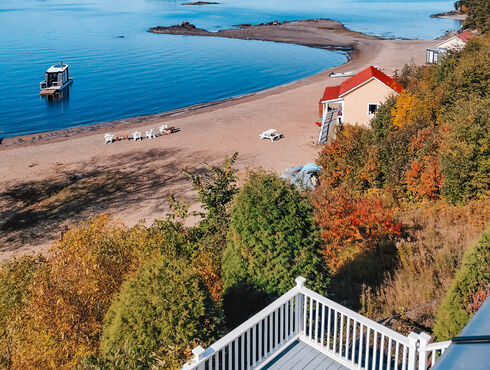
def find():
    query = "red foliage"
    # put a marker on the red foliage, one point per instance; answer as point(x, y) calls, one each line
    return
point(348, 221)
point(424, 179)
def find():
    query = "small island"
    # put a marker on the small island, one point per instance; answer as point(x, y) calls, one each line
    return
point(200, 3)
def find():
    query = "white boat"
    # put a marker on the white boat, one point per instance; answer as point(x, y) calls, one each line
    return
point(341, 74)
point(56, 79)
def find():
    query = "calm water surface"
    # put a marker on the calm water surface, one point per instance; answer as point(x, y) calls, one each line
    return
point(142, 73)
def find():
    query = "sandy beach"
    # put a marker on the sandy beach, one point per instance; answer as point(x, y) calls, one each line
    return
point(57, 179)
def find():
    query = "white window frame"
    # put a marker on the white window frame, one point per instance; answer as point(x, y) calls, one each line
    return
point(369, 113)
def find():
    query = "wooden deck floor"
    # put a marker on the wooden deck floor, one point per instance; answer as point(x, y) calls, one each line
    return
point(299, 356)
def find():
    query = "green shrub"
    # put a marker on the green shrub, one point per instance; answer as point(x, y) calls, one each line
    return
point(474, 275)
point(273, 238)
point(159, 316)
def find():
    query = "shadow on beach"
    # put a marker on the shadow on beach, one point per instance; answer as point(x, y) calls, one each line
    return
point(35, 211)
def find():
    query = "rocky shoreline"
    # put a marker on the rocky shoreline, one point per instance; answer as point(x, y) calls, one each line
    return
point(452, 14)
point(320, 33)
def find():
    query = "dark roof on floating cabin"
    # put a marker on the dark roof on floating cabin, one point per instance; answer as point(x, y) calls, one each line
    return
point(352, 83)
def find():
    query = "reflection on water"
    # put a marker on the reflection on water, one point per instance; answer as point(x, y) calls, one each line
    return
point(61, 97)
point(143, 73)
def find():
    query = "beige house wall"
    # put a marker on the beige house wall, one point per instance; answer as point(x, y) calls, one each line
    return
point(356, 102)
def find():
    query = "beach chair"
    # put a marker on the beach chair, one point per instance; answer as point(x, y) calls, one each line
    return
point(163, 129)
point(109, 138)
point(150, 134)
point(270, 134)
point(137, 135)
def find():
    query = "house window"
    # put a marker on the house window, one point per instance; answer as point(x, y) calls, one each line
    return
point(372, 108)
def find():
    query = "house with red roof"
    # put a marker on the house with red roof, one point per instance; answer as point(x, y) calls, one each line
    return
point(355, 100)
point(434, 55)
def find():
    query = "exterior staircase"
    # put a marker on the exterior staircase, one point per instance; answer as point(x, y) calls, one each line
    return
point(329, 121)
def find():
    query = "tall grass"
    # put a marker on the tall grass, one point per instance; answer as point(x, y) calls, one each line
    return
point(428, 257)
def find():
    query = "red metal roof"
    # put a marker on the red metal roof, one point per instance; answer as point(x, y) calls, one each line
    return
point(465, 36)
point(331, 93)
point(336, 92)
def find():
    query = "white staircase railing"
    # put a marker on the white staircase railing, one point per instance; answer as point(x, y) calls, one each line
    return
point(342, 334)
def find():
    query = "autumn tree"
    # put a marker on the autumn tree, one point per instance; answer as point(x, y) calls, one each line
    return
point(71, 293)
point(15, 281)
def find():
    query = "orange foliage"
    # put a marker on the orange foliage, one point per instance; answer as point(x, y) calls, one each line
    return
point(424, 178)
point(210, 272)
point(351, 224)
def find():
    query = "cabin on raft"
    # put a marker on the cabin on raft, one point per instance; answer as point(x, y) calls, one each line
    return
point(355, 100)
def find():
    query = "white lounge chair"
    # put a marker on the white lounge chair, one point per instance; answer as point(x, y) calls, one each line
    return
point(163, 129)
point(137, 135)
point(270, 134)
point(150, 134)
point(109, 138)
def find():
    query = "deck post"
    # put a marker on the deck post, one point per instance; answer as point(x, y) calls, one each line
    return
point(300, 301)
point(424, 340)
point(412, 351)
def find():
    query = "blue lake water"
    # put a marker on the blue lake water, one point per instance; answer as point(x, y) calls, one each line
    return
point(145, 73)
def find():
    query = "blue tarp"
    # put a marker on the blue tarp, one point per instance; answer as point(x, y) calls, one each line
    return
point(302, 176)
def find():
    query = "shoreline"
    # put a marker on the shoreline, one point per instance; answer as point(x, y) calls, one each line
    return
point(59, 180)
point(333, 45)
point(347, 44)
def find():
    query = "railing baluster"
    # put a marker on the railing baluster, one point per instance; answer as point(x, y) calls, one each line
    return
point(335, 333)
point(271, 333)
point(235, 351)
point(260, 353)
point(388, 356)
point(254, 343)
point(341, 337)
point(368, 345)
point(375, 343)
point(286, 322)
point(291, 317)
point(242, 344)
point(328, 327)
point(347, 337)
point(397, 350)
point(404, 357)
point(305, 304)
point(276, 328)
point(361, 339)
point(267, 348)
point(322, 336)
point(281, 326)
point(433, 359)
point(316, 321)
point(381, 351)
point(216, 361)
point(354, 329)
point(311, 319)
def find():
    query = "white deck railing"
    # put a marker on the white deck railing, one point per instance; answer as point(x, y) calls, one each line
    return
point(342, 334)
point(430, 353)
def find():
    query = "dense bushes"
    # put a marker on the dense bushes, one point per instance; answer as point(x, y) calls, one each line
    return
point(72, 291)
point(471, 281)
point(15, 280)
point(273, 238)
point(160, 315)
